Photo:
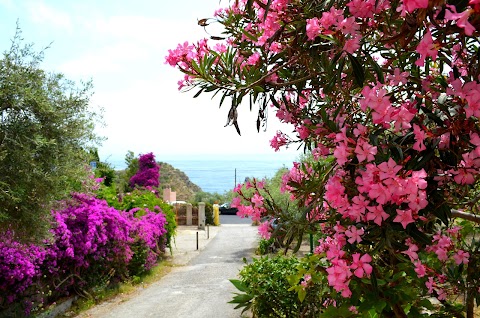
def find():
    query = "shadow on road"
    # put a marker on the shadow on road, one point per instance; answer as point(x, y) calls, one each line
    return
point(234, 219)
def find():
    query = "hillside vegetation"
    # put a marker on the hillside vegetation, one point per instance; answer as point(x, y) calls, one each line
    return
point(178, 181)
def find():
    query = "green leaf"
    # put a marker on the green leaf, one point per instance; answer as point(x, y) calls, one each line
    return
point(358, 70)
point(258, 89)
point(249, 35)
point(432, 116)
point(417, 235)
point(372, 313)
point(239, 285)
point(426, 303)
point(200, 91)
point(444, 213)
point(422, 160)
point(241, 298)
point(373, 278)
point(380, 305)
point(301, 295)
point(376, 68)
point(398, 275)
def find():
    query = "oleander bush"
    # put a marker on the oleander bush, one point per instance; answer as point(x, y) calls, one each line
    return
point(385, 95)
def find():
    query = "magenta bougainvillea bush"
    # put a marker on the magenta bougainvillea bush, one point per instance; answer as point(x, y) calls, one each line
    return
point(385, 97)
point(149, 232)
point(89, 233)
point(20, 267)
point(91, 243)
point(148, 172)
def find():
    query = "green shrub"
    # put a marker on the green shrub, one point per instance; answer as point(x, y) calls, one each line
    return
point(266, 288)
point(282, 286)
point(208, 213)
point(265, 246)
point(142, 198)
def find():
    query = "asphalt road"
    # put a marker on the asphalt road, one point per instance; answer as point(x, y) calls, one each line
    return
point(199, 289)
point(233, 219)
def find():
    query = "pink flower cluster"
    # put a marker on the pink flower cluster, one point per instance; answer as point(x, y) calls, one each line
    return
point(344, 267)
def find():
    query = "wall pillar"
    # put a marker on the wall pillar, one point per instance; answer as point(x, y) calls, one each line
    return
point(201, 215)
point(189, 214)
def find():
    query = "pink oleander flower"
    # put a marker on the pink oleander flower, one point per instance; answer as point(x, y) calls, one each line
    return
point(253, 59)
point(426, 48)
point(398, 77)
point(461, 257)
point(313, 28)
point(361, 265)
point(354, 234)
point(463, 176)
point(352, 45)
point(339, 277)
point(420, 269)
point(376, 214)
point(430, 284)
point(331, 18)
point(306, 279)
point(264, 230)
point(257, 200)
point(365, 151)
point(412, 5)
point(460, 18)
point(402, 117)
point(420, 136)
point(404, 217)
point(389, 169)
point(236, 202)
point(361, 8)
point(442, 254)
point(411, 252)
point(341, 153)
point(278, 141)
point(245, 211)
point(238, 188)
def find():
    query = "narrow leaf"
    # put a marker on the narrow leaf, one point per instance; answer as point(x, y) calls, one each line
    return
point(358, 70)
point(239, 285)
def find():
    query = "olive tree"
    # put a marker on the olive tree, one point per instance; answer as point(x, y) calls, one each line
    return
point(46, 130)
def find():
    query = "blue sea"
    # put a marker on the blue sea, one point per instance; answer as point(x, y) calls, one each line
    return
point(221, 173)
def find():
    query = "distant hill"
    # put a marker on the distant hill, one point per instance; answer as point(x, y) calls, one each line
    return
point(178, 181)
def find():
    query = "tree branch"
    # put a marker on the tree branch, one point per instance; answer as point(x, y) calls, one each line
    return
point(466, 216)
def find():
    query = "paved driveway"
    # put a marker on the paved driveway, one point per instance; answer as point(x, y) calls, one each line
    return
point(199, 289)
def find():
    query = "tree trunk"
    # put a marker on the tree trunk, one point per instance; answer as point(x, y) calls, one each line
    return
point(470, 304)
point(399, 312)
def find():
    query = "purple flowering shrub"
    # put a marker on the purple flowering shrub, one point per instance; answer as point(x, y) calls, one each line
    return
point(148, 233)
point(91, 242)
point(90, 239)
point(19, 268)
point(148, 172)
point(148, 198)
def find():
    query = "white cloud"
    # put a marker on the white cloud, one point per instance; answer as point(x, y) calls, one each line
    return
point(153, 116)
point(122, 48)
point(108, 59)
point(43, 14)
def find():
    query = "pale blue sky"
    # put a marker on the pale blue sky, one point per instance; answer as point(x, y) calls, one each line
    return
point(121, 46)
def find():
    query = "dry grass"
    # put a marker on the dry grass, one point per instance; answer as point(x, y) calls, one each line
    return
point(119, 293)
